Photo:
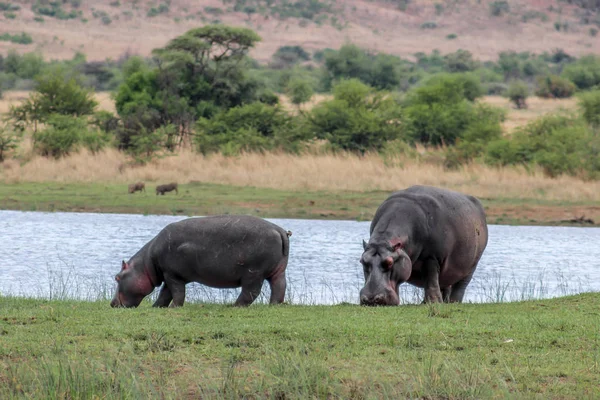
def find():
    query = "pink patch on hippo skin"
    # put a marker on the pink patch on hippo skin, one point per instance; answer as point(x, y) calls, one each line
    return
point(280, 269)
point(398, 243)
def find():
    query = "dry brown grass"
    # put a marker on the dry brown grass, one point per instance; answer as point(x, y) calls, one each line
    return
point(376, 25)
point(306, 172)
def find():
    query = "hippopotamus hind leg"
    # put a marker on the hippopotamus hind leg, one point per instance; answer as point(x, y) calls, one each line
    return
point(177, 289)
point(277, 284)
point(433, 293)
point(164, 297)
point(458, 289)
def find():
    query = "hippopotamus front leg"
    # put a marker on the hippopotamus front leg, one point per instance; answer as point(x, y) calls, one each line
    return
point(433, 294)
point(250, 291)
point(164, 297)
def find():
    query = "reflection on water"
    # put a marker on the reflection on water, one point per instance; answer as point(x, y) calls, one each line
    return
point(62, 255)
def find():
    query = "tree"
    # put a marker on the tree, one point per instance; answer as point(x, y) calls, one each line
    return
point(517, 93)
point(9, 140)
point(299, 91)
point(56, 93)
point(197, 74)
point(358, 118)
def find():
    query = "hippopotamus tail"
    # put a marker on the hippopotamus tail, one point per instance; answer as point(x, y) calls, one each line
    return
point(285, 242)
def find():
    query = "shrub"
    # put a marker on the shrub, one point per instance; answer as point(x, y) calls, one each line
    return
point(357, 119)
point(451, 36)
point(517, 93)
point(553, 86)
point(585, 72)
point(560, 144)
point(23, 38)
point(428, 25)
point(9, 140)
point(65, 134)
point(589, 105)
point(299, 91)
point(499, 8)
point(252, 127)
point(9, 6)
point(10, 15)
point(440, 111)
point(53, 9)
point(460, 61)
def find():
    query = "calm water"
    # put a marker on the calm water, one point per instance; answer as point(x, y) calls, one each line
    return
point(62, 255)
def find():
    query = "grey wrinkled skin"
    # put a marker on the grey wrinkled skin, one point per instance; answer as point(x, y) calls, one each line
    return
point(429, 237)
point(225, 251)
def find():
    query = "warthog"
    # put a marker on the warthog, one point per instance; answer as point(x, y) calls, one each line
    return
point(134, 187)
point(169, 187)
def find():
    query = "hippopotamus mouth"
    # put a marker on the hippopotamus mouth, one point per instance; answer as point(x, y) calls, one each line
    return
point(388, 298)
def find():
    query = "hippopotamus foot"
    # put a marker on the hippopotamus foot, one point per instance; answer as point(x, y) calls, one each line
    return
point(164, 297)
point(278, 285)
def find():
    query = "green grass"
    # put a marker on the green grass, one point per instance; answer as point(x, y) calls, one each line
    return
point(68, 349)
point(210, 199)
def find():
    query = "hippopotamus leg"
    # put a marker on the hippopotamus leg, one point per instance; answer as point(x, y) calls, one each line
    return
point(250, 291)
point(164, 297)
point(433, 294)
point(177, 290)
point(277, 284)
point(446, 293)
point(458, 289)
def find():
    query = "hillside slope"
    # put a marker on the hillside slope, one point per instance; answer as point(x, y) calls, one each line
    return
point(109, 28)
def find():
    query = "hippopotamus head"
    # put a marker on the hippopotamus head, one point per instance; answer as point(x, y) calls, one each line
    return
point(385, 266)
point(133, 284)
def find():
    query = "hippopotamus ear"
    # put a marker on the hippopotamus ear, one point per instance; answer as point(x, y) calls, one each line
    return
point(124, 265)
point(364, 245)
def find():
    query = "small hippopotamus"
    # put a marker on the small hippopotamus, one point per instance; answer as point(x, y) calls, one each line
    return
point(429, 237)
point(226, 251)
point(169, 187)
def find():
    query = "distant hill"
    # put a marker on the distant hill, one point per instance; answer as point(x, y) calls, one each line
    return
point(108, 28)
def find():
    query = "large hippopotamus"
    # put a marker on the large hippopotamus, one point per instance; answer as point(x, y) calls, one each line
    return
point(429, 237)
point(226, 251)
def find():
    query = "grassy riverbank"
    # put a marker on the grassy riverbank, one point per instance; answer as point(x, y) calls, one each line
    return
point(69, 349)
point(208, 199)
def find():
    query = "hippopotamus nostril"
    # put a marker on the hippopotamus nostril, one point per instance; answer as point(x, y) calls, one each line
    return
point(364, 299)
point(379, 299)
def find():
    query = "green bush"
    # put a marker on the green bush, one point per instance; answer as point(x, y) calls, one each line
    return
point(53, 9)
point(589, 105)
point(499, 8)
point(252, 127)
point(429, 25)
point(357, 119)
point(553, 86)
point(441, 111)
point(10, 15)
point(9, 6)
point(517, 93)
point(585, 72)
point(560, 144)
point(23, 38)
point(299, 91)
point(65, 134)
point(9, 140)
point(451, 36)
